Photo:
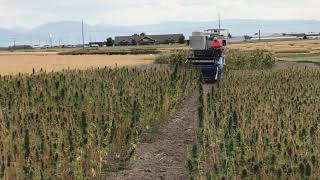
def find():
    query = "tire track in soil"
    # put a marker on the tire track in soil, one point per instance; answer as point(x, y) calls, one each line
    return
point(166, 156)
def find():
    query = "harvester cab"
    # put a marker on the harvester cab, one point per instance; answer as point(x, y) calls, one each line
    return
point(209, 60)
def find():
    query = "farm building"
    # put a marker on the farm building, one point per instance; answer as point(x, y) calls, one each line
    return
point(97, 44)
point(149, 39)
point(310, 35)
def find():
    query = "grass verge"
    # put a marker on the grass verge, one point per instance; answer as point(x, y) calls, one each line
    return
point(133, 51)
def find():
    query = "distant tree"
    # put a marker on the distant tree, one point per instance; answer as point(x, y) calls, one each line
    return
point(135, 34)
point(133, 42)
point(19, 47)
point(229, 36)
point(143, 34)
point(246, 37)
point(182, 40)
point(110, 42)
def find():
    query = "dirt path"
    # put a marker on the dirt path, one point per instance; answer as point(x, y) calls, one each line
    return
point(166, 156)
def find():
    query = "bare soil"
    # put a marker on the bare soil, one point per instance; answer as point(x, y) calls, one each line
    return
point(165, 157)
point(14, 63)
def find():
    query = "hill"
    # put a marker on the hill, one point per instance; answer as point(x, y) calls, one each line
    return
point(69, 32)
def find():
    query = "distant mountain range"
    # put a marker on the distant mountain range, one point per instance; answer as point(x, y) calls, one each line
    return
point(69, 32)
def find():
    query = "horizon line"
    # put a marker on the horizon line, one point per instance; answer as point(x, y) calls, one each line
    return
point(161, 22)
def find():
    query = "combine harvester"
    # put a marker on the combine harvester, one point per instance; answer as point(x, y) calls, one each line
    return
point(203, 56)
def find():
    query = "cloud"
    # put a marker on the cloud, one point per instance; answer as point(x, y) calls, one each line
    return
point(163, 10)
point(172, 10)
point(14, 17)
point(127, 12)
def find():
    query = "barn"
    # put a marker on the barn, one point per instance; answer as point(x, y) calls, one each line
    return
point(149, 39)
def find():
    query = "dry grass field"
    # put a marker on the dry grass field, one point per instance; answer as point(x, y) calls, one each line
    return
point(299, 50)
point(24, 62)
point(115, 48)
point(282, 47)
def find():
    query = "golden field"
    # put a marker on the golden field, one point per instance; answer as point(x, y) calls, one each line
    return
point(49, 60)
point(24, 62)
point(282, 47)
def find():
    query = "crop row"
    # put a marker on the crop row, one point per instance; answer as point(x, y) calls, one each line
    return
point(260, 124)
point(75, 124)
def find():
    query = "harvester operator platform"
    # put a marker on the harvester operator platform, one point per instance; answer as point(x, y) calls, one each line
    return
point(218, 50)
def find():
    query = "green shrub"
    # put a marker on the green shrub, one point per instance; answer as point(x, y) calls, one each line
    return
point(176, 57)
point(236, 59)
point(255, 59)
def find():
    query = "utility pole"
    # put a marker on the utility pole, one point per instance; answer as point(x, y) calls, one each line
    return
point(219, 21)
point(13, 46)
point(259, 34)
point(50, 40)
point(82, 36)
point(14, 43)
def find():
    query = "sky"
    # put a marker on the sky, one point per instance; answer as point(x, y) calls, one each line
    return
point(31, 13)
